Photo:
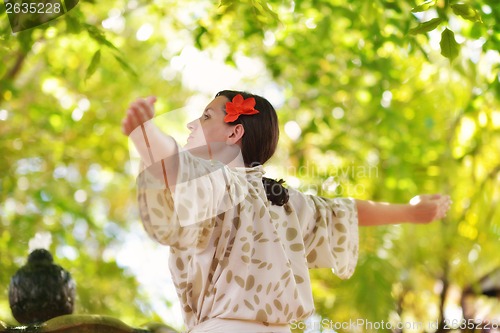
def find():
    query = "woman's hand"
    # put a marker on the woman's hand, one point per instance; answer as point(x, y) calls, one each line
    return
point(429, 207)
point(139, 112)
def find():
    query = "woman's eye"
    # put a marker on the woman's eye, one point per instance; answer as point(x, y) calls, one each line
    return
point(205, 116)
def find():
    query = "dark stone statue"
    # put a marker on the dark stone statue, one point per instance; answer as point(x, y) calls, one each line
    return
point(41, 290)
point(42, 295)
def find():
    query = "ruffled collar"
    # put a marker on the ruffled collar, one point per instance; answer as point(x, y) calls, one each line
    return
point(256, 171)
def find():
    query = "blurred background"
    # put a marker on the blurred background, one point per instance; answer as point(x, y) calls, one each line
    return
point(379, 100)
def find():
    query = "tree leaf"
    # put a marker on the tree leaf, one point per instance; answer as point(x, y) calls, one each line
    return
point(96, 59)
point(427, 26)
point(198, 35)
point(449, 46)
point(266, 11)
point(125, 65)
point(98, 36)
point(226, 3)
point(423, 7)
point(467, 12)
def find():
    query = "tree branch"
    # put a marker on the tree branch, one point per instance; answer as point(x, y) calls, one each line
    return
point(14, 71)
point(11, 75)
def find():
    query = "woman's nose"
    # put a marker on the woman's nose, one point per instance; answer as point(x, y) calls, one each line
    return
point(192, 125)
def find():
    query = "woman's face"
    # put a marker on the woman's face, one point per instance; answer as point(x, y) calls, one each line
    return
point(210, 128)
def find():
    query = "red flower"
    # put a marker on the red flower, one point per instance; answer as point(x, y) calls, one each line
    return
point(239, 106)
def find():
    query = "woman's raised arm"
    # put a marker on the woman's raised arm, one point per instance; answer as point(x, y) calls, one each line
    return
point(152, 144)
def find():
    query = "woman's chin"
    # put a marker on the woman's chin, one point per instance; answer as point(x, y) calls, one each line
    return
point(190, 144)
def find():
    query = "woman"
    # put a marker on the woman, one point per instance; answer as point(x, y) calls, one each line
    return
point(241, 244)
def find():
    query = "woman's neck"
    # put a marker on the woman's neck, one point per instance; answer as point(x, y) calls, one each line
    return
point(230, 155)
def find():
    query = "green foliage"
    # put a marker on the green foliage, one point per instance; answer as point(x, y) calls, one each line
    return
point(426, 26)
point(467, 12)
point(96, 59)
point(449, 46)
point(423, 7)
point(382, 112)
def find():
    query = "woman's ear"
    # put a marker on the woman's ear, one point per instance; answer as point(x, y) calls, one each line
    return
point(235, 134)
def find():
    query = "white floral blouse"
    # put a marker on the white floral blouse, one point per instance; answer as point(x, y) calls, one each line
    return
point(234, 255)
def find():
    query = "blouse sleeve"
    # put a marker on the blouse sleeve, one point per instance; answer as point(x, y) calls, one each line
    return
point(330, 232)
point(183, 215)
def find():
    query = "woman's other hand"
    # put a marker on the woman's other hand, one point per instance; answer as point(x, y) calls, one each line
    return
point(429, 207)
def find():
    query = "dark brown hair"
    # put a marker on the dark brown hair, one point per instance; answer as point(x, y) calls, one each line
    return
point(260, 140)
point(261, 130)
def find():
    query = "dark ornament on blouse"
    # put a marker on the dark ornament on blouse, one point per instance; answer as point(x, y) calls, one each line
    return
point(41, 290)
point(275, 191)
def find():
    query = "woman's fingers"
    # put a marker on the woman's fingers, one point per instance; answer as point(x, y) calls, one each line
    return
point(146, 105)
point(144, 109)
point(444, 205)
point(139, 112)
point(151, 100)
point(431, 206)
point(127, 126)
point(136, 113)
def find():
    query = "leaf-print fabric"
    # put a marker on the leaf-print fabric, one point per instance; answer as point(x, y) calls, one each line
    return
point(234, 255)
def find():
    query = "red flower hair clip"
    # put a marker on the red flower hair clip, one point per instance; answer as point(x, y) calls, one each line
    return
point(239, 106)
